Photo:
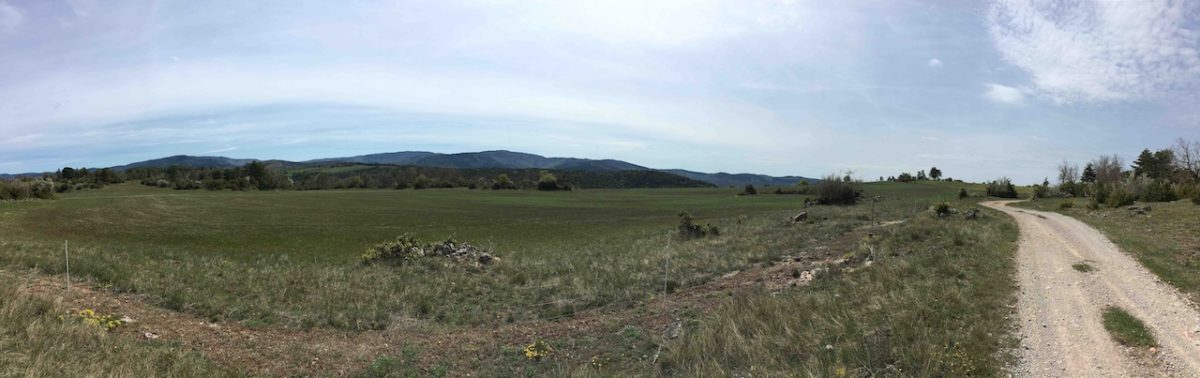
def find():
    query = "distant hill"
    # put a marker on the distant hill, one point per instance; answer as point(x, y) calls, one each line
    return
point(187, 161)
point(394, 158)
point(498, 159)
point(741, 179)
point(485, 159)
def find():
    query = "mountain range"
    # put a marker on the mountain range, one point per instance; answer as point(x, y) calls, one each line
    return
point(472, 160)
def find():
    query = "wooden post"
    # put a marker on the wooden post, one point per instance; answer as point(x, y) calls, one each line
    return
point(67, 258)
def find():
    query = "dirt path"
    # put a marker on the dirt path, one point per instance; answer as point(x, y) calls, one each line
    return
point(1060, 308)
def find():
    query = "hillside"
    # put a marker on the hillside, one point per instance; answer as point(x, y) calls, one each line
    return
point(498, 159)
point(739, 179)
point(187, 161)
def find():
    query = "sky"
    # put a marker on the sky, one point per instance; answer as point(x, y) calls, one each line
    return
point(978, 89)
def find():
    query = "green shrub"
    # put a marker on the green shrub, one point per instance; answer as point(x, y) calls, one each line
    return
point(1002, 188)
point(1066, 204)
point(749, 190)
point(1159, 191)
point(962, 193)
point(688, 229)
point(1120, 196)
point(1093, 203)
point(942, 209)
point(833, 190)
point(1196, 197)
point(404, 249)
point(1041, 191)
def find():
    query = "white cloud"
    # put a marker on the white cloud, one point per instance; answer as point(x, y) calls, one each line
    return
point(82, 8)
point(1004, 94)
point(935, 62)
point(10, 17)
point(1100, 51)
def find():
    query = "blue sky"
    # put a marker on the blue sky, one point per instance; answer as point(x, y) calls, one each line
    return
point(979, 90)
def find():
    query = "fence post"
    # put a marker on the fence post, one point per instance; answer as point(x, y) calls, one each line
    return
point(67, 258)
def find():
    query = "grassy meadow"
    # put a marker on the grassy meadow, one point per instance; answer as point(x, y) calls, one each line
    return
point(933, 302)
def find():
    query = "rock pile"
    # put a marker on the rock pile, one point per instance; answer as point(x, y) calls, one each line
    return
point(971, 214)
point(408, 248)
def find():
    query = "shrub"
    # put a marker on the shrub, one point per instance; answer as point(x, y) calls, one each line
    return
point(404, 249)
point(1066, 204)
point(836, 191)
point(749, 190)
point(547, 181)
point(1159, 191)
point(962, 193)
point(942, 209)
point(1041, 191)
point(1196, 197)
point(1094, 203)
point(688, 229)
point(1120, 196)
point(1002, 188)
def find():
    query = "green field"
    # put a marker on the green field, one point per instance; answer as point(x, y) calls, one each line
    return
point(290, 259)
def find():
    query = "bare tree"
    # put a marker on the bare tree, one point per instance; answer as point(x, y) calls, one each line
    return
point(1067, 173)
point(1108, 169)
point(1187, 156)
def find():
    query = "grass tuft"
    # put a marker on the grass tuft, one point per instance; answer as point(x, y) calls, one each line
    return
point(1127, 329)
point(1083, 267)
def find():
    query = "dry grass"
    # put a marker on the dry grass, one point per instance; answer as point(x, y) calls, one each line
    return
point(933, 304)
point(39, 337)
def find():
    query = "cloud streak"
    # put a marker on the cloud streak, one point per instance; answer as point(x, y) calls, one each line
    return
point(1100, 51)
point(1004, 94)
point(10, 17)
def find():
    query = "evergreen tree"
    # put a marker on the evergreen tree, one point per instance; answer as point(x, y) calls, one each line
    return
point(1089, 174)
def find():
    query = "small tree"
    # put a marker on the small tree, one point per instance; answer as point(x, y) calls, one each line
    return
point(962, 193)
point(1089, 174)
point(935, 173)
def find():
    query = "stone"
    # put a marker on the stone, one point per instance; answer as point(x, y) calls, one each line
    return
point(801, 217)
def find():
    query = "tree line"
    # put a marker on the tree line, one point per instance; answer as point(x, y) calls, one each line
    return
point(1161, 175)
point(262, 177)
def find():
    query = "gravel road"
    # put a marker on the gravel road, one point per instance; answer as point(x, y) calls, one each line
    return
point(1060, 308)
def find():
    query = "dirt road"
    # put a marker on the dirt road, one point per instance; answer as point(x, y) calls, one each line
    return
point(1060, 308)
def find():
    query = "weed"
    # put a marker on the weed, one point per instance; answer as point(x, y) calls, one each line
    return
point(1082, 267)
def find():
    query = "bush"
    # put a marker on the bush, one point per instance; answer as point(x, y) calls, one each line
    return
point(1159, 191)
point(749, 190)
point(1002, 188)
point(1120, 196)
point(1041, 191)
point(942, 209)
point(688, 229)
point(1093, 203)
point(1066, 204)
point(962, 193)
point(404, 249)
point(1196, 197)
point(833, 190)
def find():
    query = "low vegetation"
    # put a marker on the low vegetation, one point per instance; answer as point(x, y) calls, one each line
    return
point(41, 338)
point(1082, 267)
point(583, 253)
point(1127, 329)
point(922, 299)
